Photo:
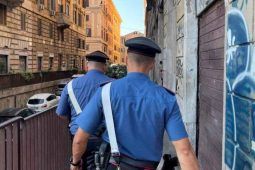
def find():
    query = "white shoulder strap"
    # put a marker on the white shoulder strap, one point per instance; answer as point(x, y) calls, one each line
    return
point(107, 108)
point(73, 99)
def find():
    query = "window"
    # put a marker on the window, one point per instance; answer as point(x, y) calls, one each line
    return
point(51, 30)
point(75, 16)
point(25, 113)
point(87, 47)
point(39, 26)
point(3, 14)
point(23, 63)
point(87, 17)
point(23, 21)
point(41, 2)
point(85, 3)
point(83, 44)
point(52, 5)
point(78, 43)
point(35, 101)
point(61, 8)
point(51, 63)
point(67, 36)
point(80, 19)
point(59, 62)
point(67, 9)
point(39, 63)
point(51, 97)
point(3, 64)
point(88, 32)
point(123, 60)
point(61, 35)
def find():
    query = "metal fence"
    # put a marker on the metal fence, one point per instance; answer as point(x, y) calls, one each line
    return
point(38, 142)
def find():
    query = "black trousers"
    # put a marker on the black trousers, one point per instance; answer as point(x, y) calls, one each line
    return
point(88, 157)
point(125, 166)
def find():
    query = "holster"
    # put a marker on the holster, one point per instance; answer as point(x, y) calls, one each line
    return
point(102, 157)
point(169, 162)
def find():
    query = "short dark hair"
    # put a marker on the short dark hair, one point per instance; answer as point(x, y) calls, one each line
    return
point(140, 59)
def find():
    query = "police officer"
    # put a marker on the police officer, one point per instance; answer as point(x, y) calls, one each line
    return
point(142, 111)
point(79, 91)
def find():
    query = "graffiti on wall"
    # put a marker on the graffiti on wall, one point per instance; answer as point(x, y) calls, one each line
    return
point(240, 98)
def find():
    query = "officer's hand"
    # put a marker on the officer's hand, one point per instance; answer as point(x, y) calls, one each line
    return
point(75, 167)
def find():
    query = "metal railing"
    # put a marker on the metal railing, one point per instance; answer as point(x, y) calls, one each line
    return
point(40, 142)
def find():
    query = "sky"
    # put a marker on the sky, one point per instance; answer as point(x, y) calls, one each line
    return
point(132, 14)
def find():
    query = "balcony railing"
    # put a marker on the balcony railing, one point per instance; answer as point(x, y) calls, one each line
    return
point(40, 141)
point(14, 3)
point(63, 20)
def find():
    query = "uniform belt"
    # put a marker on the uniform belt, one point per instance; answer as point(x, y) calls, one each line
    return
point(136, 163)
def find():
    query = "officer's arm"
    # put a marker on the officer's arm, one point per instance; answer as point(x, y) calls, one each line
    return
point(63, 109)
point(178, 135)
point(79, 144)
point(185, 153)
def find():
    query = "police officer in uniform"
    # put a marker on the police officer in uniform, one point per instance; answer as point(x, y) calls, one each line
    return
point(79, 91)
point(142, 111)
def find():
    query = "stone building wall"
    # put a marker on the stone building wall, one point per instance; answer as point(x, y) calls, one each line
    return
point(173, 24)
point(15, 42)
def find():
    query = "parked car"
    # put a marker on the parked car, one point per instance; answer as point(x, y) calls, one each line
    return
point(42, 101)
point(60, 88)
point(77, 76)
point(14, 112)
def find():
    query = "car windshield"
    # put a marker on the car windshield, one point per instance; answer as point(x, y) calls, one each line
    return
point(61, 86)
point(36, 101)
point(3, 119)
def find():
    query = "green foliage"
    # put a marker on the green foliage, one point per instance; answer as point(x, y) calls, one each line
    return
point(27, 75)
point(116, 71)
point(81, 72)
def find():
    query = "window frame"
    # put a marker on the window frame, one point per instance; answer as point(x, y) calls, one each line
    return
point(4, 70)
point(39, 26)
point(23, 21)
point(39, 67)
point(21, 57)
point(3, 11)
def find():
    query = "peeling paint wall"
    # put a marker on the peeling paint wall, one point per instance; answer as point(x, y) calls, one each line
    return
point(239, 147)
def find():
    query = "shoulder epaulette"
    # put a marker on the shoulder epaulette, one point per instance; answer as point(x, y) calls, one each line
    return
point(169, 91)
point(105, 82)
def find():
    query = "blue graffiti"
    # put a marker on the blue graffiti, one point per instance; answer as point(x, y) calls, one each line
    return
point(240, 98)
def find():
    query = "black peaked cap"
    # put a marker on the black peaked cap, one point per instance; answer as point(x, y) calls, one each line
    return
point(143, 46)
point(97, 56)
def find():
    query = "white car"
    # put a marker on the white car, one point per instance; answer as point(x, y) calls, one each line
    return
point(77, 76)
point(43, 101)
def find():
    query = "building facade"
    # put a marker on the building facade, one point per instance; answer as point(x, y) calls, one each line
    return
point(42, 35)
point(103, 28)
point(207, 60)
point(124, 48)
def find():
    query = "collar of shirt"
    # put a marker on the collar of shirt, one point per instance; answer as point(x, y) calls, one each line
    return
point(137, 75)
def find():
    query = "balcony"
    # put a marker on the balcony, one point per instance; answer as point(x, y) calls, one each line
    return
point(63, 21)
point(14, 3)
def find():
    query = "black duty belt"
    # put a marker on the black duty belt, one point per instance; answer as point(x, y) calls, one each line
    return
point(136, 163)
